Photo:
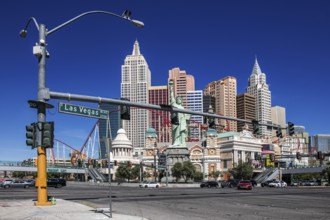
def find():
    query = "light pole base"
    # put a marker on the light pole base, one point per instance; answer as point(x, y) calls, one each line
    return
point(42, 203)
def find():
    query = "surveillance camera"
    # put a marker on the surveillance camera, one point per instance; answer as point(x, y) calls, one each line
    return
point(42, 42)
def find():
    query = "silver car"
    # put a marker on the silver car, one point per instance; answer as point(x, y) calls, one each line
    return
point(15, 184)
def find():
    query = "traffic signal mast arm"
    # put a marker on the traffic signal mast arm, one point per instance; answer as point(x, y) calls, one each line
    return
point(99, 100)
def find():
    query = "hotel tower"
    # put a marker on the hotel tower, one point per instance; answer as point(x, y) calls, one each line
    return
point(135, 81)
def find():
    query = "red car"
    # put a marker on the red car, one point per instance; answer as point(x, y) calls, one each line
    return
point(244, 184)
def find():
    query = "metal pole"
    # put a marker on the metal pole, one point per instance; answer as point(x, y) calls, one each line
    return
point(155, 164)
point(41, 181)
point(140, 160)
point(203, 165)
point(166, 169)
point(140, 171)
point(109, 143)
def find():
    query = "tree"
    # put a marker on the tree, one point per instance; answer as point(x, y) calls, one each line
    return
point(198, 177)
point(124, 171)
point(188, 171)
point(146, 175)
point(242, 171)
point(326, 171)
point(214, 174)
point(18, 174)
point(135, 172)
point(177, 171)
point(161, 174)
point(307, 176)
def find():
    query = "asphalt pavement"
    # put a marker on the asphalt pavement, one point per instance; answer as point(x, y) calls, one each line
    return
point(63, 209)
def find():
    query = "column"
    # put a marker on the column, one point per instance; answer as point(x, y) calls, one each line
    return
point(243, 156)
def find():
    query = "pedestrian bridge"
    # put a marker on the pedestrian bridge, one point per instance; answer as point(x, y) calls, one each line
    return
point(50, 169)
point(302, 170)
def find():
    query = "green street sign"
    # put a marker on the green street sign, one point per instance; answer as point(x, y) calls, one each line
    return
point(52, 170)
point(160, 167)
point(82, 111)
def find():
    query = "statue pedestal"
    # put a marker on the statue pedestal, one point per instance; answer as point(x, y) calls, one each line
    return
point(176, 153)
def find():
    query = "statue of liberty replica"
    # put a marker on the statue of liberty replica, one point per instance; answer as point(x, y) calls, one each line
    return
point(178, 120)
point(177, 151)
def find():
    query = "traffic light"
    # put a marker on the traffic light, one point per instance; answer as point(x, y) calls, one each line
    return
point(279, 132)
point(152, 165)
point(319, 155)
point(291, 128)
point(115, 163)
point(174, 118)
point(255, 125)
point(79, 163)
point(272, 157)
point(31, 135)
point(298, 156)
point(125, 111)
point(47, 134)
point(162, 159)
point(94, 163)
point(211, 123)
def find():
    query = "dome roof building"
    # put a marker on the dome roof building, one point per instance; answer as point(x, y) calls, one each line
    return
point(122, 146)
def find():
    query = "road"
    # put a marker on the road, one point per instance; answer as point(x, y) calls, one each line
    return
point(195, 203)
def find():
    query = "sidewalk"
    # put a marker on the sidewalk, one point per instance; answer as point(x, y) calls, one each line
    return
point(66, 210)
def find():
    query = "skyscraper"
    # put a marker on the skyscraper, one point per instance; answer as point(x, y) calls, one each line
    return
point(258, 87)
point(195, 103)
point(278, 115)
point(181, 83)
point(135, 81)
point(246, 109)
point(321, 142)
point(160, 120)
point(224, 91)
point(114, 122)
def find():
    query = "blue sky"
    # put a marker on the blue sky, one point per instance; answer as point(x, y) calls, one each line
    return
point(209, 39)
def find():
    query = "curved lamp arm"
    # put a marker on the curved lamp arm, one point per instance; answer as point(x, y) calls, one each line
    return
point(125, 16)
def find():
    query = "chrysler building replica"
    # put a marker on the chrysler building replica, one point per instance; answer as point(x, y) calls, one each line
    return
point(135, 81)
point(258, 87)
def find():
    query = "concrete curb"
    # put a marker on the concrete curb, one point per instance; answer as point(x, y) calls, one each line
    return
point(66, 210)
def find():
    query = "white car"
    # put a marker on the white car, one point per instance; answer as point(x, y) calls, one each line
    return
point(283, 184)
point(278, 183)
point(149, 185)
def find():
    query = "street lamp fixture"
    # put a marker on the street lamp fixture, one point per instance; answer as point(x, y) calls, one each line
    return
point(43, 92)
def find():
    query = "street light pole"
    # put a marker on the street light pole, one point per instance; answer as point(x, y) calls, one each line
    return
point(108, 141)
point(155, 166)
point(166, 169)
point(41, 181)
point(43, 93)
